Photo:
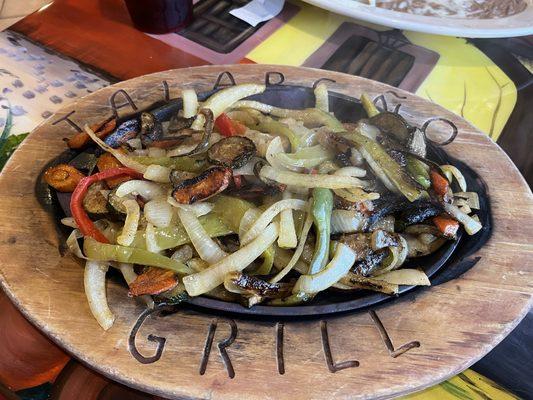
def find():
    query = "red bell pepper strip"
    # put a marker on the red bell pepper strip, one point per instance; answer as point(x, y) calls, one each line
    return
point(85, 225)
point(440, 183)
point(447, 226)
point(228, 127)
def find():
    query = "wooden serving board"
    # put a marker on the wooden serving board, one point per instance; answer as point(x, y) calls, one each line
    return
point(435, 332)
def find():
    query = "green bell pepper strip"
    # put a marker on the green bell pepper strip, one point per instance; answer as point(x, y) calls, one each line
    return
point(185, 163)
point(109, 252)
point(321, 209)
point(393, 171)
point(231, 210)
point(176, 235)
point(369, 105)
point(418, 170)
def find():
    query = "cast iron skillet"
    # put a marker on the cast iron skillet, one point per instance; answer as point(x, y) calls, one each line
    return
point(447, 263)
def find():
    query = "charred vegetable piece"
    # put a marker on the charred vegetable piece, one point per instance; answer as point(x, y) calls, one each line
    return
point(208, 130)
point(177, 123)
point(107, 161)
point(153, 281)
point(114, 204)
point(151, 129)
point(370, 263)
point(393, 125)
point(125, 131)
point(102, 130)
point(228, 127)
point(203, 186)
point(63, 177)
point(94, 202)
point(254, 285)
point(419, 211)
point(447, 226)
point(85, 225)
point(233, 151)
point(376, 154)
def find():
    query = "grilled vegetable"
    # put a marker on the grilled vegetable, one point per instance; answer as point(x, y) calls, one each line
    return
point(63, 177)
point(447, 226)
point(228, 127)
point(153, 281)
point(102, 130)
point(234, 152)
point(321, 209)
point(205, 185)
point(374, 153)
point(94, 202)
point(108, 161)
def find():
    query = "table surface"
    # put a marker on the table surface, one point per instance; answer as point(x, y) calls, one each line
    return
point(74, 47)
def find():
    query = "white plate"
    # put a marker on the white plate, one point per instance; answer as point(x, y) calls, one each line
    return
point(520, 24)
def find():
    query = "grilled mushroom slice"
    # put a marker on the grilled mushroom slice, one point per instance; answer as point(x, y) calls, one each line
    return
point(233, 151)
point(203, 186)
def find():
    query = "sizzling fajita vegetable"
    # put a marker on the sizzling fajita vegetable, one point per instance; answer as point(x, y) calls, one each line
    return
point(244, 201)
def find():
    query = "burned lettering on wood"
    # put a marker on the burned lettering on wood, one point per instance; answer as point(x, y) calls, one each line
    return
point(332, 365)
point(152, 338)
point(113, 102)
point(387, 340)
point(222, 346)
point(280, 327)
point(67, 119)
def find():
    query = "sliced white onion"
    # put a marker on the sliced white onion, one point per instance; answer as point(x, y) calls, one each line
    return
point(339, 266)
point(355, 157)
point(322, 97)
point(356, 172)
point(124, 159)
point(151, 239)
point(208, 279)
point(197, 264)
point(297, 253)
point(157, 173)
point(385, 224)
point(287, 232)
point(69, 221)
point(225, 98)
point(146, 189)
point(356, 195)
point(347, 221)
point(190, 103)
point(411, 277)
point(268, 215)
point(94, 282)
point(471, 225)
point(73, 245)
point(207, 248)
point(133, 214)
point(197, 209)
point(309, 181)
point(158, 212)
point(275, 147)
point(450, 169)
point(249, 217)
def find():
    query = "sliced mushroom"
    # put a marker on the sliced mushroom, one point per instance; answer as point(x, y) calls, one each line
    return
point(151, 129)
point(234, 151)
point(203, 186)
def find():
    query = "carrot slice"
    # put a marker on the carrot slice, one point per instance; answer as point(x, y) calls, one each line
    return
point(108, 161)
point(440, 183)
point(153, 281)
point(447, 226)
point(63, 177)
point(102, 130)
